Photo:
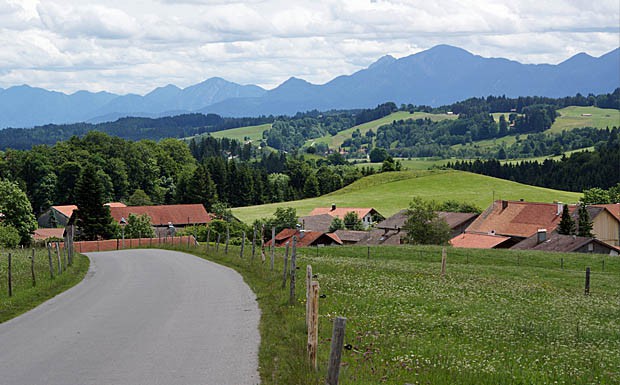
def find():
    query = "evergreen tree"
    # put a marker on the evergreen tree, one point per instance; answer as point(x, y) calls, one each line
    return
point(352, 221)
point(584, 228)
point(201, 188)
point(337, 224)
point(567, 223)
point(93, 218)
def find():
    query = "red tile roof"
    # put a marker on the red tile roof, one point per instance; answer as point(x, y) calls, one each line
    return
point(613, 208)
point(178, 215)
point(67, 210)
point(305, 238)
point(40, 234)
point(518, 219)
point(478, 241)
point(340, 212)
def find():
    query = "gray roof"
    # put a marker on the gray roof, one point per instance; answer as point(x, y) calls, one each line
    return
point(316, 222)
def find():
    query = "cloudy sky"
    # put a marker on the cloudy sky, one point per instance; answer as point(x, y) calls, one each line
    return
point(136, 45)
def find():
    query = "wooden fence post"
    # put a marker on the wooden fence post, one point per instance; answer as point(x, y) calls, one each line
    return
point(285, 266)
point(335, 353)
point(313, 324)
point(308, 292)
point(253, 242)
point(262, 243)
point(10, 277)
point(227, 239)
point(49, 257)
point(443, 262)
point(34, 278)
point(242, 244)
point(291, 299)
point(587, 289)
point(65, 260)
point(562, 263)
point(217, 244)
point(208, 238)
point(273, 246)
point(60, 266)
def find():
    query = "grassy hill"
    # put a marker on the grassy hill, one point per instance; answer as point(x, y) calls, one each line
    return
point(571, 117)
point(390, 192)
point(254, 133)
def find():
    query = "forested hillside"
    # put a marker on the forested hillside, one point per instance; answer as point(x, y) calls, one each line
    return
point(580, 171)
point(206, 171)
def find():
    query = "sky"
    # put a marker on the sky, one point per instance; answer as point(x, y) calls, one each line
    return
point(134, 46)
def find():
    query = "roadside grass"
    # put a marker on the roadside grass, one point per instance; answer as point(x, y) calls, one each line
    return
point(25, 296)
point(498, 317)
point(390, 192)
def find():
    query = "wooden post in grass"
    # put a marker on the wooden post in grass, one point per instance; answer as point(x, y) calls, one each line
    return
point(562, 263)
point(253, 242)
point(10, 277)
point(335, 353)
point(208, 239)
point(313, 324)
point(368, 252)
point(273, 246)
point(34, 278)
point(242, 244)
point(227, 239)
point(262, 244)
point(603, 262)
point(49, 257)
point(308, 292)
point(217, 244)
point(65, 261)
point(587, 289)
point(285, 266)
point(291, 299)
point(58, 258)
point(443, 262)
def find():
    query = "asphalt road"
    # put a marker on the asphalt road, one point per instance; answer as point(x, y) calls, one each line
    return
point(139, 317)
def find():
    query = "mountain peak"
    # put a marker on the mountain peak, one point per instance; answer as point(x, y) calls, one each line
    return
point(383, 61)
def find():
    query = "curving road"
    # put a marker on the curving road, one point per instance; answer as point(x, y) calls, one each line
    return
point(139, 317)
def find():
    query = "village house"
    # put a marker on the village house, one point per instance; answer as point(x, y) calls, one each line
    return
point(305, 238)
point(368, 216)
point(166, 218)
point(555, 242)
point(58, 216)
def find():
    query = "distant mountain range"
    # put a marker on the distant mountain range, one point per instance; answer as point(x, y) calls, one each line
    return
point(438, 76)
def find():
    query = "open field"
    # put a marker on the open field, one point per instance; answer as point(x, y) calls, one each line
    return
point(498, 317)
point(570, 117)
point(253, 133)
point(391, 192)
point(25, 296)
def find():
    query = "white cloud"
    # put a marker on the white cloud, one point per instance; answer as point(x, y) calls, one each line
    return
point(135, 46)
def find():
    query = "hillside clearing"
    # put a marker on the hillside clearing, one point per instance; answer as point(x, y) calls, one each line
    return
point(391, 192)
point(253, 133)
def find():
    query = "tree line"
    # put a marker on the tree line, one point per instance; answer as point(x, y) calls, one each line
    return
point(577, 172)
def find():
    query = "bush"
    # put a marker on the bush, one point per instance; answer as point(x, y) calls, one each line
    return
point(9, 236)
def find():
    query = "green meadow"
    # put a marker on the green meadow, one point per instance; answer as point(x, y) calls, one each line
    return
point(242, 134)
point(391, 192)
point(497, 317)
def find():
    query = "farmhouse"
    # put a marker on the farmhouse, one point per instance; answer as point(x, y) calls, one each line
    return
point(58, 216)
point(162, 217)
point(367, 215)
point(481, 241)
point(565, 243)
point(305, 238)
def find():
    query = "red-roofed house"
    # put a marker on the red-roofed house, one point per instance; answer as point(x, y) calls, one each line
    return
point(481, 241)
point(58, 216)
point(305, 238)
point(517, 219)
point(42, 234)
point(164, 216)
point(367, 215)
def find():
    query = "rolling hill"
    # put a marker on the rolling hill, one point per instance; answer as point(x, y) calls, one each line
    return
point(391, 192)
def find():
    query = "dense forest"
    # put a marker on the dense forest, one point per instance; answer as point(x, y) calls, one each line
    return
point(170, 171)
point(580, 171)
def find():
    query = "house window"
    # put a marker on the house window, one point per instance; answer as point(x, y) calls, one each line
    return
point(590, 247)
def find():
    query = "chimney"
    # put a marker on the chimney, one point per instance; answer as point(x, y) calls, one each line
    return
point(560, 207)
point(541, 236)
point(504, 205)
point(333, 207)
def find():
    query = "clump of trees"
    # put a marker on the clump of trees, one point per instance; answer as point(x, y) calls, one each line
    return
point(16, 214)
point(423, 225)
